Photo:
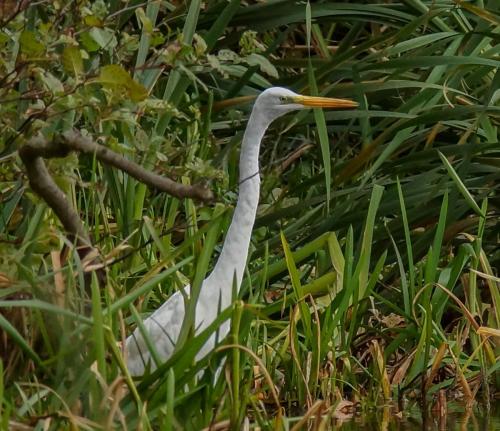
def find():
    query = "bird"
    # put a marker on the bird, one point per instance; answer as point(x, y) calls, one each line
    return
point(163, 326)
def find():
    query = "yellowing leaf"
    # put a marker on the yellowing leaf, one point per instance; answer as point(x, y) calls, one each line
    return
point(93, 21)
point(378, 359)
point(137, 91)
point(116, 77)
point(147, 25)
point(490, 332)
point(113, 74)
point(481, 12)
point(72, 60)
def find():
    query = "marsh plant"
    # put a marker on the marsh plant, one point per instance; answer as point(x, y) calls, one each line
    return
point(373, 272)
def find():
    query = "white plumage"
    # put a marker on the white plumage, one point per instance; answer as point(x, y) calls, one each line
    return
point(164, 325)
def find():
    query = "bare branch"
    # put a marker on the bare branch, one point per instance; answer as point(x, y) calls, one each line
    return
point(42, 183)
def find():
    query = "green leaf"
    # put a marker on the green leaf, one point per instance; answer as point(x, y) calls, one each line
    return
point(88, 42)
point(72, 60)
point(104, 37)
point(29, 45)
point(51, 83)
point(264, 64)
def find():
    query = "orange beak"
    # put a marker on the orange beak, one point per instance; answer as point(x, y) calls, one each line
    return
point(324, 102)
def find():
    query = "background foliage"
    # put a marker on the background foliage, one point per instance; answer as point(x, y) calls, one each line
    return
point(375, 254)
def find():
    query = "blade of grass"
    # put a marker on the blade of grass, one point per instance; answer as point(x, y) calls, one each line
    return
point(363, 266)
point(408, 242)
point(319, 116)
point(460, 185)
point(98, 327)
point(297, 288)
point(18, 339)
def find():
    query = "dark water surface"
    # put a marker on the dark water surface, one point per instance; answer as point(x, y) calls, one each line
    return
point(458, 418)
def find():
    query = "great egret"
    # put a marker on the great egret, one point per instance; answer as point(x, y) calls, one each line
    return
point(164, 325)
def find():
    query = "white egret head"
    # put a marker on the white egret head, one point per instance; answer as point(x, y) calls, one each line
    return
point(277, 101)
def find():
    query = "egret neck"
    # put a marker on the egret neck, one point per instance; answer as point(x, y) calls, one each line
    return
point(234, 254)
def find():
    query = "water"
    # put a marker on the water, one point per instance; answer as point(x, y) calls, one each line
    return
point(458, 418)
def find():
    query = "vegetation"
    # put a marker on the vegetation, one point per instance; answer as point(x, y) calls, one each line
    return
point(373, 276)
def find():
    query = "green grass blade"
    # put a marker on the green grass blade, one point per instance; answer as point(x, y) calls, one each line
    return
point(98, 327)
point(297, 288)
point(408, 242)
point(363, 266)
point(17, 338)
point(460, 185)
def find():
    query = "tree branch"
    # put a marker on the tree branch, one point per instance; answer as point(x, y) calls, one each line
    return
point(37, 148)
point(42, 183)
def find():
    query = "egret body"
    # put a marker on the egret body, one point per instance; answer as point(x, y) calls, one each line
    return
point(164, 325)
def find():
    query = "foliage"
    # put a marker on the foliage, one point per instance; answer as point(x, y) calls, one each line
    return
point(375, 252)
